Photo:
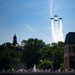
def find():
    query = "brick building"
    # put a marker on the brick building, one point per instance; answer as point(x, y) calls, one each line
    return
point(69, 51)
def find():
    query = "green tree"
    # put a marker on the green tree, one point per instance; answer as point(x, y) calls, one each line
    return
point(57, 53)
point(46, 64)
point(62, 66)
point(9, 45)
point(32, 51)
point(7, 58)
point(47, 52)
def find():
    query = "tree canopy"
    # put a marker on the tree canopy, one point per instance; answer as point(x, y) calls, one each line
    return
point(32, 51)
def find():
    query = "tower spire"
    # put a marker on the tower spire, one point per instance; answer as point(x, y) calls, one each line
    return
point(14, 40)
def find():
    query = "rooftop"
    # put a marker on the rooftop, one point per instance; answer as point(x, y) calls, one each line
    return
point(70, 38)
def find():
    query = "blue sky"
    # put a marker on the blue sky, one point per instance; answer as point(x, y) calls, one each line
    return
point(30, 19)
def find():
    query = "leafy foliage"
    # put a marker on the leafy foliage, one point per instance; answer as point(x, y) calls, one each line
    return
point(8, 57)
point(62, 66)
point(46, 64)
point(57, 54)
point(32, 51)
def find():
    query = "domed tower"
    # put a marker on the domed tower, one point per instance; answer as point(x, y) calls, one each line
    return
point(14, 40)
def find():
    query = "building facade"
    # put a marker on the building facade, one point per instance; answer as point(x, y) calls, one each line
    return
point(69, 51)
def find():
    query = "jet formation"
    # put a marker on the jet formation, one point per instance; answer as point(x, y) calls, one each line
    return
point(57, 33)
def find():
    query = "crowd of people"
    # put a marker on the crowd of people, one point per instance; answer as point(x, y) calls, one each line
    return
point(46, 70)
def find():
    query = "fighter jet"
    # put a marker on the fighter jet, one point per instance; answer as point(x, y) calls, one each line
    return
point(56, 20)
point(55, 16)
point(60, 18)
point(52, 18)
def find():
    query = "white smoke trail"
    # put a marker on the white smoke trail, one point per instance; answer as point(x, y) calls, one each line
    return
point(52, 21)
point(32, 29)
point(56, 32)
point(51, 8)
point(60, 26)
point(61, 33)
point(53, 33)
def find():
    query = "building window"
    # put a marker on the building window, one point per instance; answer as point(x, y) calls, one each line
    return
point(69, 49)
point(73, 49)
